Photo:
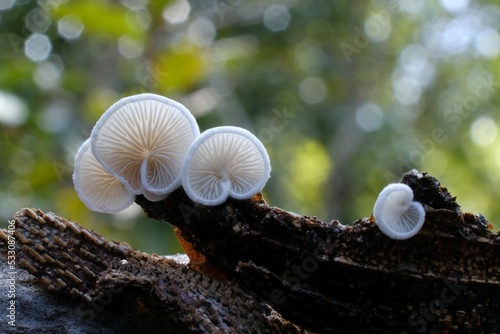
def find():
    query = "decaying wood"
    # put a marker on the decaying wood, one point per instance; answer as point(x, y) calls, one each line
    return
point(254, 259)
point(331, 277)
point(71, 260)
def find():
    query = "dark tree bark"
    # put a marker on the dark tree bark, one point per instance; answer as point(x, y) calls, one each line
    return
point(249, 260)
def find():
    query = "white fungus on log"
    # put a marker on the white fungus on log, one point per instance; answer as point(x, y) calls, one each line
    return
point(97, 188)
point(396, 213)
point(142, 140)
point(225, 161)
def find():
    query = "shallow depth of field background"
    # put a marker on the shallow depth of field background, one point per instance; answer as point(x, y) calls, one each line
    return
point(346, 96)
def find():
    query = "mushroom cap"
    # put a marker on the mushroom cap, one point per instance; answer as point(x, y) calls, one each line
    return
point(396, 214)
point(99, 190)
point(225, 161)
point(142, 140)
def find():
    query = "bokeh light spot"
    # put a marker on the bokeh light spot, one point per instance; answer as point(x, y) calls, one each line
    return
point(48, 74)
point(203, 101)
point(70, 27)
point(457, 35)
point(129, 47)
point(406, 90)
point(378, 26)
point(312, 90)
point(277, 18)
point(37, 47)
point(487, 43)
point(55, 118)
point(202, 32)
point(308, 57)
point(412, 7)
point(415, 63)
point(13, 111)
point(413, 58)
point(369, 117)
point(135, 4)
point(484, 131)
point(139, 20)
point(6, 4)
point(37, 20)
point(454, 6)
point(177, 12)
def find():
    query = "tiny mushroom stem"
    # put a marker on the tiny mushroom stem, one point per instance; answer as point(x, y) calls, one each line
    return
point(225, 161)
point(396, 214)
point(142, 140)
point(98, 189)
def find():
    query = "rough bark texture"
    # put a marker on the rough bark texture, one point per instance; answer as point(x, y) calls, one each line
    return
point(250, 260)
point(157, 295)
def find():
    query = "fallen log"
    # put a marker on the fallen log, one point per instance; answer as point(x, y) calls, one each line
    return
point(294, 273)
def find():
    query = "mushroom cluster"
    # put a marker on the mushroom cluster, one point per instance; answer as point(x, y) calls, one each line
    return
point(396, 213)
point(151, 145)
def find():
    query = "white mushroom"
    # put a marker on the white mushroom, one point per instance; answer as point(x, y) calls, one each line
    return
point(225, 161)
point(142, 141)
point(396, 214)
point(99, 190)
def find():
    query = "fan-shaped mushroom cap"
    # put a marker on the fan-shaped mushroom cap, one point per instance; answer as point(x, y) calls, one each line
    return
point(142, 141)
point(225, 161)
point(396, 214)
point(99, 190)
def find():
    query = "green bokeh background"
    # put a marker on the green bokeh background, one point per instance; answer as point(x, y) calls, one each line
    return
point(345, 95)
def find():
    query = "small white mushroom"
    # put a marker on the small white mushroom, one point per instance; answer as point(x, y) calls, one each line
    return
point(396, 214)
point(99, 190)
point(225, 161)
point(142, 141)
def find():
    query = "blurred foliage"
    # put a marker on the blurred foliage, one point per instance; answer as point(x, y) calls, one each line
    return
point(346, 96)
